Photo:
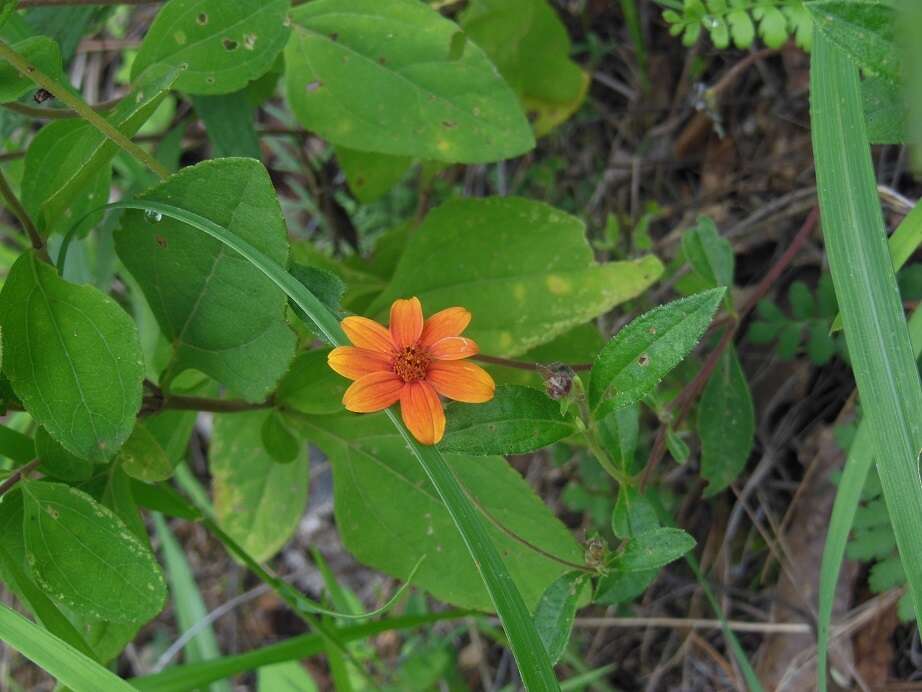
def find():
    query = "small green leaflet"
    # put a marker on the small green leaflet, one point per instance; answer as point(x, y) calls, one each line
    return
point(84, 556)
point(220, 45)
point(143, 458)
point(73, 357)
point(516, 420)
point(653, 549)
point(370, 176)
point(726, 423)
point(395, 77)
point(709, 254)
point(633, 515)
point(644, 351)
point(310, 386)
point(556, 611)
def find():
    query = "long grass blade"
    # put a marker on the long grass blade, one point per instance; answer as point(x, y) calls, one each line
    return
point(872, 313)
point(848, 495)
point(534, 665)
point(72, 668)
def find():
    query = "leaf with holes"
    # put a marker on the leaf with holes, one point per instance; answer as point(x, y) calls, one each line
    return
point(644, 351)
point(220, 45)
point(395, 77)
point(84, 556)
point(73, 357)
point(221, 314)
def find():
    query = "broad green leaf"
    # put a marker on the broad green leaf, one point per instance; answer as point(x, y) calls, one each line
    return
point(633, 515)
point(864, 30)
point(709, 254)
point(73, 357)
point(326, 285)
point(16, 446)
point(58, 462)
point(529, 45)
point(619, 586)
point(395, 77)
point(257, 500)
point(389, 515)
point(726, 423)
point(221, 314)
point(220, 45)
point(84, 556)
point(516, 420)
point(68, 164)
point(229, 122)
point(40, 51)
point(522, 268)
point(310, 386)
point(579, 345)
point(71, 667)
point(653, 549)
point(369, 175)
point(885, 111)
point(555, 612)
point(641, 354)
point(143, 458)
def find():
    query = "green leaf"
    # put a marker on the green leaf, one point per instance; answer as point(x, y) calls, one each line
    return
point(618, 586)
point(886, 111)
point(73, 357)
point(257, 500)
point(326, 285)
point(389, 515)
point(229, 122)
point(641, 354)
point(277, 439)
point(709, 254)
point(653, 549)
point(83, 555)
point(143, 458)
point(16, 446)
point(516, 420)
point(633, 515)
point(68, 164)
point(58, 462)
point(72, 668)
point(395, 77)
point(40, 51)
point(220, 45)
point(220, 313)
point(370, 175)
point(522, 268)
point(556, 611)
point(618, 432)
point(878, 341)
point(726, 423)
point(289, 676)
point(310, 386)
point(864, 30)
point(529, 45)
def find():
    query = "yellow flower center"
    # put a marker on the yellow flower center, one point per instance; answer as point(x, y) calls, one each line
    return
point(411, 364)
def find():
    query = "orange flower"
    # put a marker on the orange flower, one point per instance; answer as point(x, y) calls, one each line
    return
point(412, 362)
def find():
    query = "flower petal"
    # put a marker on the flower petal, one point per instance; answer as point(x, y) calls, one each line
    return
point(453, 348)
point(354, 363)
point(366, 333)
point(406, 322)
point(447, 322)
point(461, 380)
point(422, 412)
point(373, 392)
